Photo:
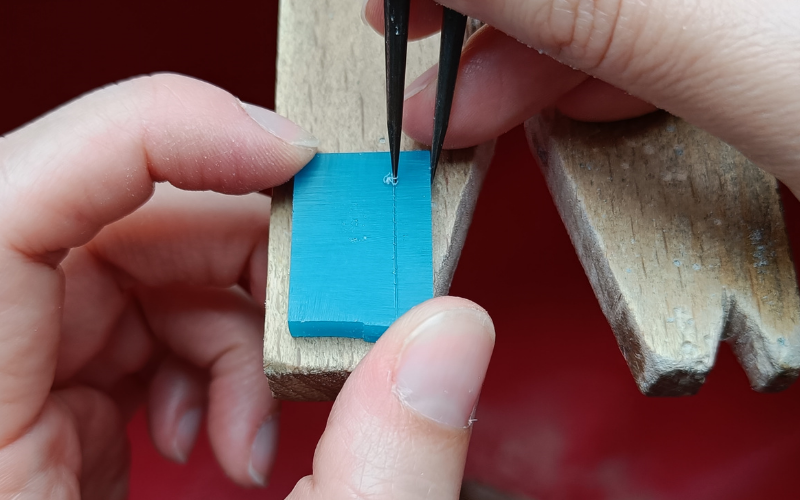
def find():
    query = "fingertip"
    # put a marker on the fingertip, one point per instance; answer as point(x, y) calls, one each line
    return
point(443, 362)
point(425, 17)
point(243, 427)
point(175, 408)
point(408, 406)
point(262, 454)
point(282, 128)
point(207, 139)
point(297, 146)
point(243, 418)
point(221, 331)
point(372, 15)
point(430, 308)
point(186, 434)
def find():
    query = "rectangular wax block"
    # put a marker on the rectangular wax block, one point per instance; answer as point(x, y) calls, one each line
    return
point(362, 251)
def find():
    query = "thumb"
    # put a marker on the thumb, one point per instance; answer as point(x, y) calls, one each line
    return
point(401, 425)
point(728, 66)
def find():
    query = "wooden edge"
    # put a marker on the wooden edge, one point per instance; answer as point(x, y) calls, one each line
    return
point(648, 371)
point(314, 369)
point(771, 359)
point(454, 195)
point(322, 386)
point(757, 309)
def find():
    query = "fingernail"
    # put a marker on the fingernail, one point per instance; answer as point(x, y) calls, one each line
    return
point(282, 128)
point(422, 82)
point(186, 434)
point(263, 453)
point(442, 366)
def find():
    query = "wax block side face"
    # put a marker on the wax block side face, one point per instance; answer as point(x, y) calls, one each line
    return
point(361, 247)
point(413, 232)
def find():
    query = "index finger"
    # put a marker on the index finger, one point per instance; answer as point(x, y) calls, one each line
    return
point(93, 161)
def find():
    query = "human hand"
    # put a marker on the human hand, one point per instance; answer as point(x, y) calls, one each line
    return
point(86, 308)
point(108, 299)
point(401, 425)
point(731, 67)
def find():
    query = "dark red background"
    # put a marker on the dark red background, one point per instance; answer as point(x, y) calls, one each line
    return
point(560, 417)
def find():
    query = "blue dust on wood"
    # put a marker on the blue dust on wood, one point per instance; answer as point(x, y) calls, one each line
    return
point(362, 250)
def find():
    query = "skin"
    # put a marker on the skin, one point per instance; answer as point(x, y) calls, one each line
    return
point(114, 292)
point(727, 66)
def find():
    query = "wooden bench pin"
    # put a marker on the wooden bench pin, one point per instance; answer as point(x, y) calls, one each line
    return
point(331, 82)
point(684, 242)
point(681, 237)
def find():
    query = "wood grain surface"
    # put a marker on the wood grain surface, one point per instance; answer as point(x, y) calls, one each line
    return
point(331, 81)
point(684, 243)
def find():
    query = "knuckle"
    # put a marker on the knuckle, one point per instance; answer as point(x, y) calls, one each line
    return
point(583, 32)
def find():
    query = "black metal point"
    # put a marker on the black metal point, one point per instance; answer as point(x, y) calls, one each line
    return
point(453, 26)
point(396, 14)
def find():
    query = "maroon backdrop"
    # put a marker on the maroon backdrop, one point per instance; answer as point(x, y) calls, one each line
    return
point(560, 417)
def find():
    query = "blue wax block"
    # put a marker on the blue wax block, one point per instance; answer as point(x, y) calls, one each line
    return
point(362, 250)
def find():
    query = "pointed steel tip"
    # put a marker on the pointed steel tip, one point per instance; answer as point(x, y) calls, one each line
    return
point(434, 162)
point(453, 26)
point(396, 14)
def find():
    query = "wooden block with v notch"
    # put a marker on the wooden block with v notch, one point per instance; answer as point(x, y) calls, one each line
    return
point(684, 243)
point(331, 81)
